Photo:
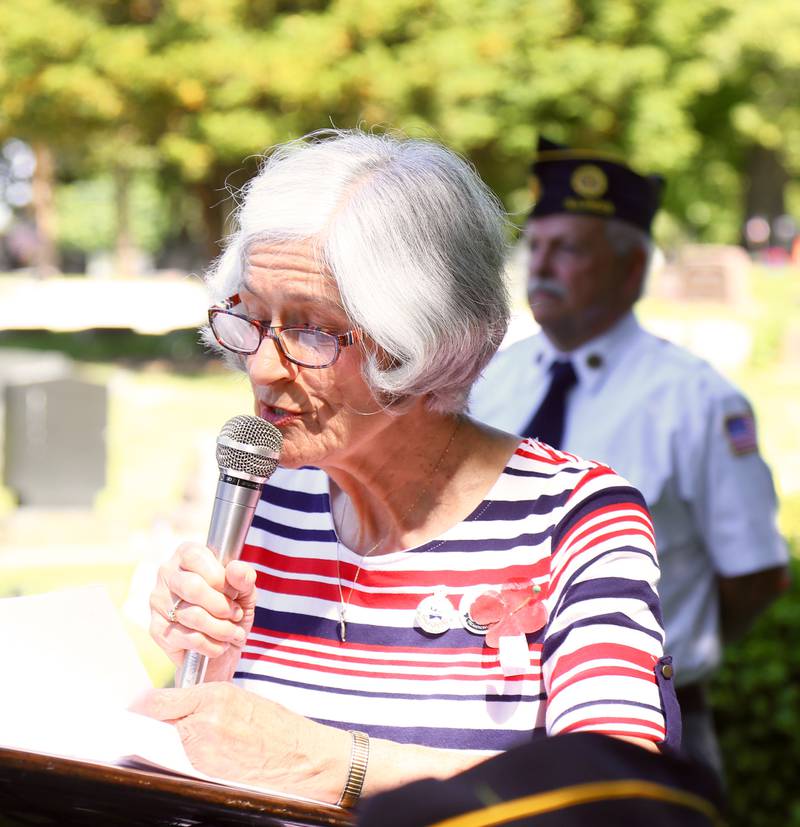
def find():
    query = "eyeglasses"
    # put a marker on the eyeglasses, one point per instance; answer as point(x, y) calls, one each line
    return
point(309, 347)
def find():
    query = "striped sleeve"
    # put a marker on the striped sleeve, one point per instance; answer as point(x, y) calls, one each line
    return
point(605, 633)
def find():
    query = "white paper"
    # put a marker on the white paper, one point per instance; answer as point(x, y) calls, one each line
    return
point(70, 672)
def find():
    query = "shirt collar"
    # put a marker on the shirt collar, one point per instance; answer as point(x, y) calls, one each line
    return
point(594, 360)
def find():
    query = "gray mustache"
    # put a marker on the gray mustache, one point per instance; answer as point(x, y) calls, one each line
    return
point(537, 285)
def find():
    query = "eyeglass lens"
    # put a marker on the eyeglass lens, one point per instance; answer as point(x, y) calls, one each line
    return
point(313, 348)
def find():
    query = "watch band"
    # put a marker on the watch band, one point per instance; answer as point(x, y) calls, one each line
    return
point(359, 757)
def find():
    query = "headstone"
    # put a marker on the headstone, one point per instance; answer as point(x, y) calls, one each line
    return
point(55, 442)
point(716, 273)
point(22, 365)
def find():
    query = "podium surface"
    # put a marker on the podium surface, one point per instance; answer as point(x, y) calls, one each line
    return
point(49, 790)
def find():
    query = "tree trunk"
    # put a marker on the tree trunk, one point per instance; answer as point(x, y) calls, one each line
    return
point(45, 260)
point(215, 203)
point(125, 249)
point(765, 182)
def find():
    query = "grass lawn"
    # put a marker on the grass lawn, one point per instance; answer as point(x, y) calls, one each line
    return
point(162, 430)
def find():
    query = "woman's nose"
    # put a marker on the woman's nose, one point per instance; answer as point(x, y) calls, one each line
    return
point(268, 364)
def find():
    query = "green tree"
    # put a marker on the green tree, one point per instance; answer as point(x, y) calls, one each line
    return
point(702, 92)
point(55, 94)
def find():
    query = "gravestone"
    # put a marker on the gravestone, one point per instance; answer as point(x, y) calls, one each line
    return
point(18, 365)
point(717, 273)
point(55, 442)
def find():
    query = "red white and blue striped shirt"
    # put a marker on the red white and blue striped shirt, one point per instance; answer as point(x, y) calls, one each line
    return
point(571, 526)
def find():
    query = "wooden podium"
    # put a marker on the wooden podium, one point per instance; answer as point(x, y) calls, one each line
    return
point(50, 791)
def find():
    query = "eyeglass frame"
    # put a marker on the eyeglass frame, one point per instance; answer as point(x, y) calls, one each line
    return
point(273, 332)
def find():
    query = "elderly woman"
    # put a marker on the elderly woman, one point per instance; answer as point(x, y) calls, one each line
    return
point(418, 591)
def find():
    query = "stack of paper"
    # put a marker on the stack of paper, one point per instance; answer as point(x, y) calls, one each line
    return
point(70, 674)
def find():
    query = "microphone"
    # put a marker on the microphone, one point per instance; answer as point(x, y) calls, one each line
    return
point(248, 449)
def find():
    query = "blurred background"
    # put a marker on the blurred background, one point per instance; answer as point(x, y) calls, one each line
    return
point(126, 127)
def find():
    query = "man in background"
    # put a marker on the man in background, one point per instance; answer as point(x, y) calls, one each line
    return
point(594, 383)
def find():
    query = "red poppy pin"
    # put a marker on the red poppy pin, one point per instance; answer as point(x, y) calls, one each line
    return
point(517, 609)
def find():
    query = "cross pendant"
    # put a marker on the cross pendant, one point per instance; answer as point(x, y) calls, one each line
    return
point(342, 625)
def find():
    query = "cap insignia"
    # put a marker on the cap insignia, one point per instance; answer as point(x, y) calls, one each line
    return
point(589, 181)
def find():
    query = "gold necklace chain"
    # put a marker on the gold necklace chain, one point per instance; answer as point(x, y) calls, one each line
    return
point(344, 604)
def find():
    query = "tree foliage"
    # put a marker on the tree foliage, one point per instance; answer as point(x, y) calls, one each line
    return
point(192, 89)
point(757, 707)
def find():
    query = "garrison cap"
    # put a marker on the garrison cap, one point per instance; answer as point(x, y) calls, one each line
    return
point(587, 182)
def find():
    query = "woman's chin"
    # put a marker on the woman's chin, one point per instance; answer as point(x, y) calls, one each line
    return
point(291, 464)
point(295, 455)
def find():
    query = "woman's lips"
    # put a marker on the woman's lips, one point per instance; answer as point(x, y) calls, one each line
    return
point(277, 416)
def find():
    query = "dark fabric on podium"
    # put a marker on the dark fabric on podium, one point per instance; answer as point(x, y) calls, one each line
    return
point(564, 781)
point(548, 422)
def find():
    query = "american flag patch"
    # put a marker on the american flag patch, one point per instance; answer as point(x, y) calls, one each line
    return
point(741, 432)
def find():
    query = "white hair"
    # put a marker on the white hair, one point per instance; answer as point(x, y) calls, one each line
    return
point(624, 238)
point(414, 240)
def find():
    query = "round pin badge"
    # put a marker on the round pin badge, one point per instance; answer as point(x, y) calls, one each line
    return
point(589, 181)
point(434, 614)
point(469, 597)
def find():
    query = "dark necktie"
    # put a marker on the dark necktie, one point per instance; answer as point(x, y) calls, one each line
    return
point(548, 422)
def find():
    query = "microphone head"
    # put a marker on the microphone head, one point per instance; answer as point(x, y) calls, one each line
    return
point(249, 447)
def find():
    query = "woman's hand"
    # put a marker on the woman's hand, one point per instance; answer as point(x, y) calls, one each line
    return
point(215, 613)
point(239, 736)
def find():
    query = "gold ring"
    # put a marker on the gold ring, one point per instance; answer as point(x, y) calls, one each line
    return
point(171, 616)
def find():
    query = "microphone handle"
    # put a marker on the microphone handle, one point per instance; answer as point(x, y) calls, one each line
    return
point(234, 507)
